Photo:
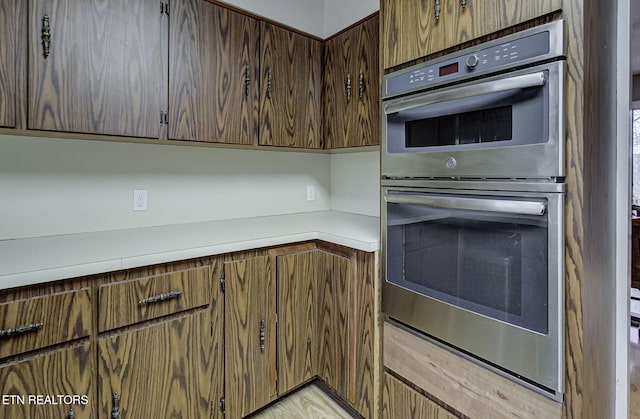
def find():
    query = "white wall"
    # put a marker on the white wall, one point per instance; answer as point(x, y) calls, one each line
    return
point(305, 15)
point(339, 14)
point(355, 183)
point(319, 18)
point(56, 186)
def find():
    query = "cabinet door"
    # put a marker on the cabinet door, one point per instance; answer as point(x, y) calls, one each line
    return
point(334, 309)
point(213, 74)
point(483, 17)
point(291, 84)
point(297, 319)
point(249, 336)
point(48, 386)
point(401, 401)
point(9, 24)
point(340, 89)
point(368, 84)
point(102, 70)
point(410, 30)
point(158, 371)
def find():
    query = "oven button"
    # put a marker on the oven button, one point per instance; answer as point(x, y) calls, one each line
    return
point(472, 61)
point(451, 163)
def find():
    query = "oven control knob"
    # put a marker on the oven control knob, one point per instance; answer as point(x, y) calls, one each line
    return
point(472, 61)
point(451, 163)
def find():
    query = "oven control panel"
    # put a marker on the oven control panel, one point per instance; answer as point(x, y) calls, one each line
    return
point(511, 51)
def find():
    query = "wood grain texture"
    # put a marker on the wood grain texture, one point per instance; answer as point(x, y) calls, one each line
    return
point(102, 75)
point(63, 372)
point(364, 334)
point(340, 112)
point(334, 279)
point(459, 383)
point(410, 29)
point(120, 302)
point(297, 319)
point(574, 210)
point(160, 371)
point(9, 29)
point(211, 49)
point(64, 317)
point(248, 301)
point(290, 116)
point(401, 401)
point(368, 104)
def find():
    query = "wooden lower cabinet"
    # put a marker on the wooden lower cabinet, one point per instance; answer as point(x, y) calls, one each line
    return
point(401, 401)
point(157, 371)
point(249, 336)
point(48, 386)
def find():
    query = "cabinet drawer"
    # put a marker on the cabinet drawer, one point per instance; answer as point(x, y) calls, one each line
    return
point(43, 321)
point(130, 302)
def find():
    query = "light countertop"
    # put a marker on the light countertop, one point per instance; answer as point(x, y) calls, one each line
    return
point(43, 259)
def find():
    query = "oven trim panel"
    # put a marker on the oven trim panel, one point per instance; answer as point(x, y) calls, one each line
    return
point(516, 352)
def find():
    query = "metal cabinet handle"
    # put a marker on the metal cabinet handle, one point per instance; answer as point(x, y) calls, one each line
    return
point(45, 35)
point(463, 3)
point(348, 87)
point(263, 334)
point(361, 85)
point(162, 297)
point(20, 330)
point(437, 10)
point(115, 411)
point(269, 84)
point(72, 414)
point(247, 82)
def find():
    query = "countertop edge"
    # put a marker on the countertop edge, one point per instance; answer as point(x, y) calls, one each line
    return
point(333, 227)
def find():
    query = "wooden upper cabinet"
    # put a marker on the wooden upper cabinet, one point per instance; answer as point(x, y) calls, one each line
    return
point(352, 87)
point(291, 83)
point(101, 72)
point(213, 74)
point(9, 25)
point(412, 29)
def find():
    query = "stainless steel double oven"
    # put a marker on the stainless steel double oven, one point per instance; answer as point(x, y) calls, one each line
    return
point(473, 203)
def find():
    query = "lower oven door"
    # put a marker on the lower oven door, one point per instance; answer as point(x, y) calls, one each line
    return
point(480, 271)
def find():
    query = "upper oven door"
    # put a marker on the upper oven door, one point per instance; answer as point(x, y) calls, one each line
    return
point(507, 126)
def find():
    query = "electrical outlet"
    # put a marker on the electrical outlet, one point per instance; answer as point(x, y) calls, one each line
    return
point(139, 200)
point(311, 193)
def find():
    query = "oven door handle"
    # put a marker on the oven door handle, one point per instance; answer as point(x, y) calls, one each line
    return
point(496, 86)
point(474, 204)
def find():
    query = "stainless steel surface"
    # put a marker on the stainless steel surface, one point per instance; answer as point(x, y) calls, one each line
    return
point(453, 93)
point(531, 161)
point(474, 204)
point(472, 186)
point(556, 49)
point(537, 357)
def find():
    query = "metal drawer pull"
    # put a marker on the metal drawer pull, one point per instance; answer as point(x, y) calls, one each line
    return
point(348, 87)
point(72, 414)
point(115, 411)
point(463, 3)
point(269, 84)
point(161, 297)
point(361, 85)
point(20, 330)
point(437, 10)
point(45, 36)
point(247, 82)
point(263, 334)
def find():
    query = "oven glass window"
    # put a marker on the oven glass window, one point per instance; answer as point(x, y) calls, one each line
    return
point(490, 263)
point(483, 126)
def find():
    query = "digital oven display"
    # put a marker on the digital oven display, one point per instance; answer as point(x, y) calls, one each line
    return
point(449, 69)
